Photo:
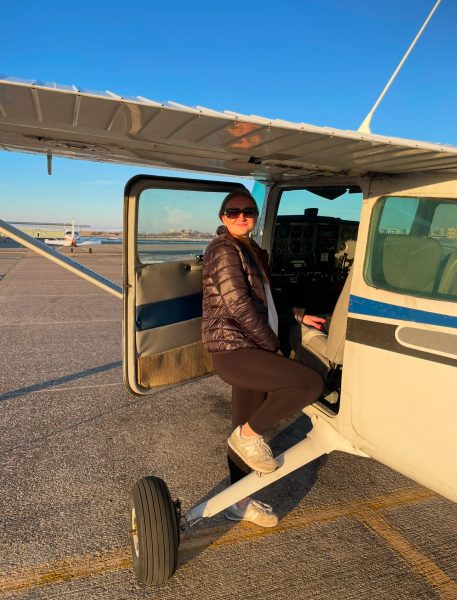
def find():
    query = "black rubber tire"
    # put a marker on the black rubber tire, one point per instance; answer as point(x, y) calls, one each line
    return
point(90, 250)
point(156, 555)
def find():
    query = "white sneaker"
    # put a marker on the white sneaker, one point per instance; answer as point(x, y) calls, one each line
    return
point(255, 512)
point(253, 451)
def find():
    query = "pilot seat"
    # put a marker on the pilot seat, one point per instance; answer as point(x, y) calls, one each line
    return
point(325, 352)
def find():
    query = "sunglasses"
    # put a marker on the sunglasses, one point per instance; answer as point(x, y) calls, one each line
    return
point(234, 213)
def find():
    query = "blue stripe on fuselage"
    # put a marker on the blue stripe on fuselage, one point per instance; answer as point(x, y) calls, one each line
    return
point(364, 306)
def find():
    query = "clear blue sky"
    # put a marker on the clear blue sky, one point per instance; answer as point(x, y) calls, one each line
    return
point(322, 62)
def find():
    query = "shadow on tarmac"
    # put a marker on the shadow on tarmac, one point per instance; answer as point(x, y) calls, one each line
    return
point(284, 495)
point(8, 243)
point(58, 381)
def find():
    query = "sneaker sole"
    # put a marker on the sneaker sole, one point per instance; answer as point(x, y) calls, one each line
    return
point(239, 519)
point(232, 518)
point(248, 461)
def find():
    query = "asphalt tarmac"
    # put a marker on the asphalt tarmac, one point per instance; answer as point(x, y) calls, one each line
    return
point(73, 441)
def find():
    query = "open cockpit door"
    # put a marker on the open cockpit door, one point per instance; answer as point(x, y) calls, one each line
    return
point(167, 224)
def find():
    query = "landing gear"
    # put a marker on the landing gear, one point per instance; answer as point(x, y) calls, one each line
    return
point(156, 520)
point(90, 250)
point(154, 533)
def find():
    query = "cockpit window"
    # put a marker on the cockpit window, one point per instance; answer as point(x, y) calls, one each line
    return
point(313, 248)
point(343, 203)
point(413, 247)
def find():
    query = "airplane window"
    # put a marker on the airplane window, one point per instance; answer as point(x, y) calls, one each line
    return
point(258, 193)
point(398, 216)
point(176, 225)
point(413, 247)
point(314, 245)
point(347, 205)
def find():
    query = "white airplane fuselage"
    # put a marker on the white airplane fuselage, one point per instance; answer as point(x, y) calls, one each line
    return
point(71, 238)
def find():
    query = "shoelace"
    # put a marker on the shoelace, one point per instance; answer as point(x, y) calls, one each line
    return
point(262, 506)
point(263, 448)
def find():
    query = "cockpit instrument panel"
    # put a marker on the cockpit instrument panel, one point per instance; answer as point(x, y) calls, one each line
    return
point(311, 252)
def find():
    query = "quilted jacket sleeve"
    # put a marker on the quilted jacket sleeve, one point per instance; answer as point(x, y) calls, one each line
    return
point(224, 268)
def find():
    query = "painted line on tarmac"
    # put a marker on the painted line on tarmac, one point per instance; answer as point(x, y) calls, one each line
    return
point(72, 567)
point(115, 559)
point(368, 512)
point(68, 295)
point(420, 563)
point(78, 387)
point(313, 516)
point(68, 322)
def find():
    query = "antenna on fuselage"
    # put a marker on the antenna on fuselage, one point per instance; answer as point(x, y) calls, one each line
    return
point(365, 126)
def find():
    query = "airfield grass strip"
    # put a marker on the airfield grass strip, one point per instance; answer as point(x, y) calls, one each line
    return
point(119, 558)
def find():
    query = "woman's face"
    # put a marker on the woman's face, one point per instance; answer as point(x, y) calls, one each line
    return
point(242, 225)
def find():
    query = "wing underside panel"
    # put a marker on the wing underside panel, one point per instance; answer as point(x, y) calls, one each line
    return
point(65, 121)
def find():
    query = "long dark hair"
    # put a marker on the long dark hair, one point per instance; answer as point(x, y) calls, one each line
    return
point(235, 194)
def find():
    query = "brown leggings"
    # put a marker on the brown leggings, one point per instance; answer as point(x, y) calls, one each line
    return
point(266, 387)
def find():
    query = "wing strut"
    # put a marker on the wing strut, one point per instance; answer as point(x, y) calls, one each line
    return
point(365, 126)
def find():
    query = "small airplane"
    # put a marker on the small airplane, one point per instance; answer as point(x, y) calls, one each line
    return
point(72, 239)
point(389, 277)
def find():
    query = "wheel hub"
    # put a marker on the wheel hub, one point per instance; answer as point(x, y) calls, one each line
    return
point(133, 533)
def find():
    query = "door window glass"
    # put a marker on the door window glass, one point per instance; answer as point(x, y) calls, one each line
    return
point(176, 225)
point(258, 193)
point(413, 247)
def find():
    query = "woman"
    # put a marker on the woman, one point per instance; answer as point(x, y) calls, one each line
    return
point(239, 329)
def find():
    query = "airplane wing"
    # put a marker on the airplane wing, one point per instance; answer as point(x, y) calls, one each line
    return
point(43, 224)
point(70, 122)
point(54, 241)
point(88, 242)
point(91, 241)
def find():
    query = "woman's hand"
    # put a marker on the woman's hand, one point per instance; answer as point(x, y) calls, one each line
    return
point(313, 321)
point(301, 317)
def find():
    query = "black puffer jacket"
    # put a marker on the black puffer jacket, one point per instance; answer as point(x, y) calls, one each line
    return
point(235, 313)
